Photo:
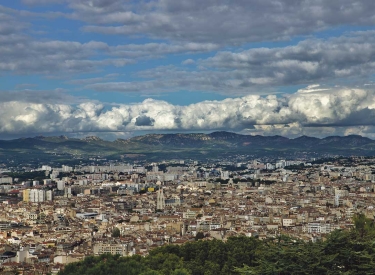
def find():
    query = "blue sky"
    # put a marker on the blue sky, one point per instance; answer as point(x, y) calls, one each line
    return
point(117, 68)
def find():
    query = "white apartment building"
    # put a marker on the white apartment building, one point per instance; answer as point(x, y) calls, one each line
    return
point(289, 222)
point(35, 195)
point(60, 185)
point(316, 227)
point(49, 196)
point(6, 180)
point(122, 249)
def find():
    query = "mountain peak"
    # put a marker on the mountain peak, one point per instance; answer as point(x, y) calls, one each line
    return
point(92, 138)
point(223, 135)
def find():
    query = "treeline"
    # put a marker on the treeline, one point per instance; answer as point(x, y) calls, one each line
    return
point(343, 252)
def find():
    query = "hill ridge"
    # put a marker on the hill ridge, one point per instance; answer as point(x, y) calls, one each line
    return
point(188, 145)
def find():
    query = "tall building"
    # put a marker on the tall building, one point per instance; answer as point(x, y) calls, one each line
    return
point(49, 196)
point(26, 195)
point(224, 175)
point(68, 192)
point(160, 200)
point(60, 185)
point(34, 195)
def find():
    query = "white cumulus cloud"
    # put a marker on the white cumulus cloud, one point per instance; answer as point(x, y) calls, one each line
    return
point(291, 114)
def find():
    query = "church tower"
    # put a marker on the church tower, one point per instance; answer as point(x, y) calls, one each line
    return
point(160, 200)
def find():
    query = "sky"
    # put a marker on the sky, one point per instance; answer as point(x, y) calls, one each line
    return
point(122, 68)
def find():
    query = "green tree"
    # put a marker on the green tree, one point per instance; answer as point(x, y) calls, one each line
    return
point(199, 236)
point(363, 225)
point(116, 232)
point(180, 271)
point(165, 263)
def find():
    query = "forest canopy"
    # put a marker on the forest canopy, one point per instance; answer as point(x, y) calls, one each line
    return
point(342, 252)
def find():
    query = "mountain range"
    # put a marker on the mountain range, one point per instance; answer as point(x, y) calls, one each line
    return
point(189, 145)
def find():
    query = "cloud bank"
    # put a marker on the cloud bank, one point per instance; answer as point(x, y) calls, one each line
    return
point(329, 108)
point(219, 21)
point(308, 62)
point(234, 71)
point(160, 46)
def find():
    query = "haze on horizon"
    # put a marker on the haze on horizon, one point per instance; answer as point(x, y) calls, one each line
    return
point(116, 69)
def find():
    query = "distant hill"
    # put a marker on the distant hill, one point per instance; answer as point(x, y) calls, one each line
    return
point(194, 145)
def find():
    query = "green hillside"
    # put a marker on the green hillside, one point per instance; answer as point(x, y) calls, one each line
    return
point(197, 146)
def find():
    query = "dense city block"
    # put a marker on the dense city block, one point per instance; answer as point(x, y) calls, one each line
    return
point(53, 216)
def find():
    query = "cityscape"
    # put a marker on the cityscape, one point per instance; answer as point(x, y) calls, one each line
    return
point(65, 214)
point(187, 137)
